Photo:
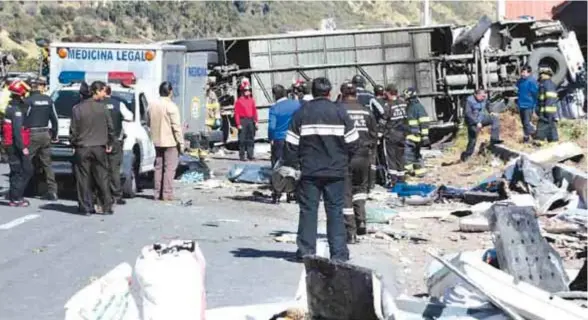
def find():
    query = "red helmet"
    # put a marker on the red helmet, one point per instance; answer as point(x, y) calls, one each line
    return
point(19, 87)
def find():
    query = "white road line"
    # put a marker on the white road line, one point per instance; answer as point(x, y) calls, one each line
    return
point(18, 221)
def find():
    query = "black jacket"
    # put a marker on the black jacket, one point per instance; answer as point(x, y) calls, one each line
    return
point(91, 125)
point(40, 112)
point(364, 97)
point(14, 115)
point(394, 119)
point(320, 140)
point(365, 123)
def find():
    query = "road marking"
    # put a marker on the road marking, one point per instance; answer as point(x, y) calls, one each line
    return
point(18, 221)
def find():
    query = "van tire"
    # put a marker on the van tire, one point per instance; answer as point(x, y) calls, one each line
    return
point(129, 187)
point(556, 59)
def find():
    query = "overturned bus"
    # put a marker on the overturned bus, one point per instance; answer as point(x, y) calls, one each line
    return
point(445, 63)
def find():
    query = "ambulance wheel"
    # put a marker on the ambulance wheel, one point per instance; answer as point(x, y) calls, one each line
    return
point(130, 185)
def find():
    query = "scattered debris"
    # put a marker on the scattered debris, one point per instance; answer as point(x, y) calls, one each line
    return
point(379, 214)
point(478, 223)
point(250, 173)
point(286, 238)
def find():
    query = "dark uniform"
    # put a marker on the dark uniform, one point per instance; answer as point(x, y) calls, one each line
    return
point(547, 108)
point(356, 191)
point(91, 131)
point(320, 139)
point(377, 109)
point(40, 113)
point(418, 134)
point(394, 139)
point(16, 139)
point(114, 158)
point(366, 99)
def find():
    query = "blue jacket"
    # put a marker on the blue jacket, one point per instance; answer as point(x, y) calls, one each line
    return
point(475, 110)
point(279, 118)
point(528, 90)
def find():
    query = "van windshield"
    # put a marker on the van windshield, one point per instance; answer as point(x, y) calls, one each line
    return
point(65, 100)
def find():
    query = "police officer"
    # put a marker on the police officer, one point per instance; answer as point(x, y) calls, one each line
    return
point(418, 133)
point(16, 139)
point(356, 187)
point(547, 107)
point(40, 113)
point(320, 140)
point(394, 124)
point(118, 113)
point(92, 135)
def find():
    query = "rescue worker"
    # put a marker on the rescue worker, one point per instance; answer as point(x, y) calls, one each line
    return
point(92, 135)
point(280, 115)
point(246, 121)
point(394, 130)
point(527, 101)
point(547, 107)
point(213, 110)
point(118, 113)
point(378, 171)
point(356, 186)
point(477, 116)
point(40, 113)
point(320, 140)
point(16, 139)
point(302, 91)
point(418, 134)
point(367, 99)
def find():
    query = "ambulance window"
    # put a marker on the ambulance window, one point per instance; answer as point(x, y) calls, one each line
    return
point(143, 107)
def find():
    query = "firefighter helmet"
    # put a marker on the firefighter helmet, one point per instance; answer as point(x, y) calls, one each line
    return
point(358, 81)
point(348, 89)
point(19, 88)
point(379, 90)
point(545, 70)
point(409, 93)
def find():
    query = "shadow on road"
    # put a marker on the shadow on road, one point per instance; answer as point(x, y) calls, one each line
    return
point(255, 253)
point(60, 208)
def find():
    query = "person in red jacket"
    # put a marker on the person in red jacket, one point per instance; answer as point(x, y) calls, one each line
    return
point(246, 121)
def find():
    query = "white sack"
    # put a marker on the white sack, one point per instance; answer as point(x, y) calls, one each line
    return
point(171, 280)
point(106, 298)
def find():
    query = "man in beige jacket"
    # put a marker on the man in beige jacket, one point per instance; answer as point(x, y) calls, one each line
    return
point(166, 133)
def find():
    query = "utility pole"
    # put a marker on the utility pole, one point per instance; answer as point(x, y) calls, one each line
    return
point(500, 10)
point(426, 13)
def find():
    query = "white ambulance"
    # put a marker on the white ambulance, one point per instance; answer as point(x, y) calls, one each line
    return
point(134, 73)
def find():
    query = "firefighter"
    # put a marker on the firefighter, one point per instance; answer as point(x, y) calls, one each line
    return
point(418, 134)
point(92, 135)
point(377, 108)
point(547, 107)
point(367, 99)
point(40, 113)
point(118, 113)
point(394, 124)
point(301, 91)
point(356, 184)
point(246, 121)
point(16, 139)
point(319, 141)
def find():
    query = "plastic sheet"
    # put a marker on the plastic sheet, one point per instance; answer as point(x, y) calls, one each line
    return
point(106, 298)
point(250, 173)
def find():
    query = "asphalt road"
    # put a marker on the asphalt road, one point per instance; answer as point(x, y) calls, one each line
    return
point(48, 253)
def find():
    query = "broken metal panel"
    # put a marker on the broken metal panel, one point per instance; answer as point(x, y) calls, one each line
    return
point(521, 249)
point(338, 291)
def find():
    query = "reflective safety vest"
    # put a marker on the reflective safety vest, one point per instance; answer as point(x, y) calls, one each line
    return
point(418, 121)
point(547, 97)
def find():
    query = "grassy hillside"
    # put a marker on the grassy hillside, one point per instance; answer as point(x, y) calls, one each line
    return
point(137, 21)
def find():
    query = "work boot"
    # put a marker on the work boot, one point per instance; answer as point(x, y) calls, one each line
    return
point(50, 197)
point(120, 201)
point(276, 198)
point(526, 139)
point(496, 141)
point(361, 229)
